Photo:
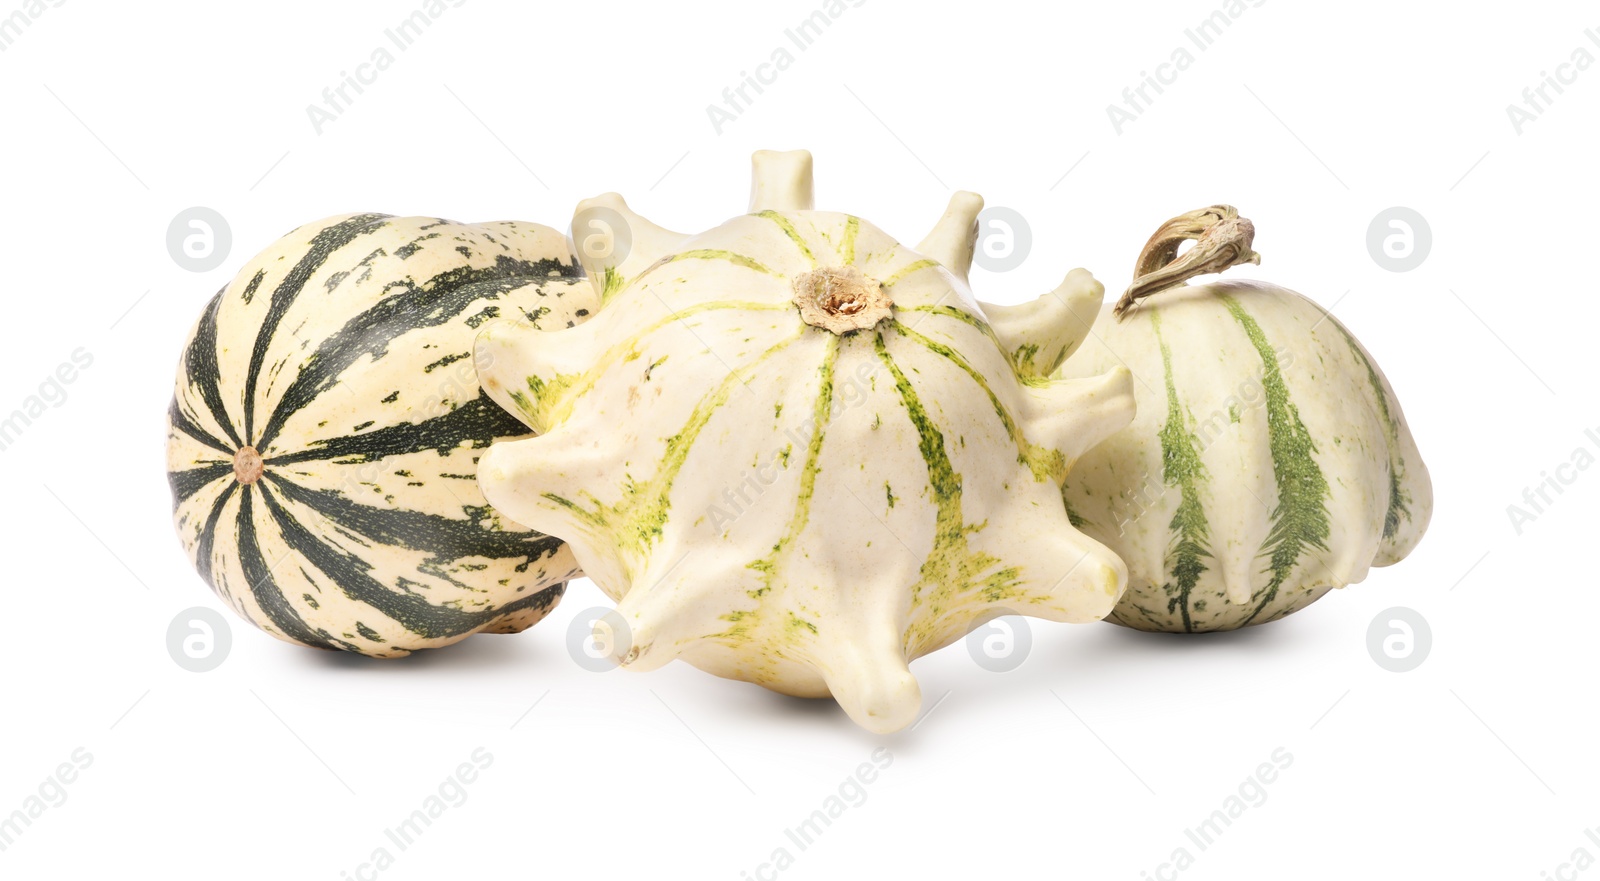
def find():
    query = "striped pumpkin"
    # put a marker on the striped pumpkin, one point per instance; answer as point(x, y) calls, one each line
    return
point(1269, 461)
point(324, 435)
point(800, 454)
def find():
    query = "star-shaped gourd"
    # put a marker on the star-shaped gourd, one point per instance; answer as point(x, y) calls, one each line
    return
point(800, 454)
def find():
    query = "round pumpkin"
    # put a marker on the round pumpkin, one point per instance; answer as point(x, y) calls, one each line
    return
point(324, 435)
point(1269, 461)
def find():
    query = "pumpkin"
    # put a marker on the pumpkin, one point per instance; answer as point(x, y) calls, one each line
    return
point(324, 435)
point(800, 454)
point(1269, 461)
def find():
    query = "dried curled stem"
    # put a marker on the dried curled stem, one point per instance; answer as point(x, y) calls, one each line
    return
point(1221, 239)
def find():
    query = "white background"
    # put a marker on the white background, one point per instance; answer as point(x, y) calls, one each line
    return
point(1093, 757)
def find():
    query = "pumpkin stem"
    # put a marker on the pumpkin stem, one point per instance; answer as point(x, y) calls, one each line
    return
point(780, 181)
point(1221, 239)
point(952, 240)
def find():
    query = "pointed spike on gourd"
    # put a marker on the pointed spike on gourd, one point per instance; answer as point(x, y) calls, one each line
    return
point(1237, 572)
point(1082, 578)
point(1072, 415)
point(872, 683)
point(1082, 294)
point(516, 362)
point(523, 479)
point(1042, 333)
point(1416, 489)
point(613, 243)
point(781, 180)
point(658, 617)
point(955, 235)
point(1350, 568)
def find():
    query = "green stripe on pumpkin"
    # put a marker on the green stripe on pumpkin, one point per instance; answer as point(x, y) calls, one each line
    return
point(793, 234)
point(182, 422)
point(444, 539)
point(951, 567)
point(960, 315)
point(637, 519)
point(185, 484)
point(200, 365)
point(323, 245)
point(208, 539)
point(1181, 468)
point(258, 577)
point(909, 268)
point(611, 281)
point(745, 621)
point(474, 423)
point(548, 396)
point(354, 578)
point(1045, 464)
point(413, 307)
point(710, 254)
point(852, 228)
point(1301, 518)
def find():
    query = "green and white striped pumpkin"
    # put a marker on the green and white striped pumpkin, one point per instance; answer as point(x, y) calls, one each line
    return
point(324, 436)
point(798, 453)
point(1269, 461)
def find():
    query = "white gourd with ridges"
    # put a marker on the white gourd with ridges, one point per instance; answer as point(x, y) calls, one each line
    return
point(1269, 461)
point(906, 480)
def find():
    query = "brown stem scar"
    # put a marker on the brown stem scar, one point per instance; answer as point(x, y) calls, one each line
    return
point(841, 299)
point(247, 465)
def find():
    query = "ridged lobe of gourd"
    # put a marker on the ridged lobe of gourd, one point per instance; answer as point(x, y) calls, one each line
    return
point(914, 478)
point(1302, 476)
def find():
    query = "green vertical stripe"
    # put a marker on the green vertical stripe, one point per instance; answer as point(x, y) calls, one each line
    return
point(1045, 464)
point(793, 234)
point(852, 228)
point(744, 621)
point(317, 252)
point(952, 566)
point(1181, 468)
point(205, 375)
point(1300, 518)
point(258, 577)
